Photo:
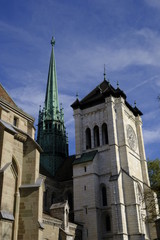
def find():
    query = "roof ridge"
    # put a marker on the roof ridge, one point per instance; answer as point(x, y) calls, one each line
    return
point(6, 96)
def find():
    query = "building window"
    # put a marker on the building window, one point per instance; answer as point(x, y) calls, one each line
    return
point(15, 121)
point(108, 223)
point(85, 188)
point(88, 138)
point(104, 196)
point(85, 169)
point(104, 134)
point(96, 136)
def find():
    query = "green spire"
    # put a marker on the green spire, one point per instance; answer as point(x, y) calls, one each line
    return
point(52, 136)
point(51, 100)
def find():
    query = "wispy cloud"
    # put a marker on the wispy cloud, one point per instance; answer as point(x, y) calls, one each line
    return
point(18, 33)
point(153, 3)
point(152, 115)
point(82, 60)
point(152, 135)
point(142, 83)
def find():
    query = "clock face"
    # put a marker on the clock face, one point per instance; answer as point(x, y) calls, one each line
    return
point(131, 137)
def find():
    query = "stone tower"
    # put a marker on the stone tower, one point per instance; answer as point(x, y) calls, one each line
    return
point(110, 171)
point(51, 130)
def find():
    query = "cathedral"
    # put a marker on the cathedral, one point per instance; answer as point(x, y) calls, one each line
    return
point(96, 194)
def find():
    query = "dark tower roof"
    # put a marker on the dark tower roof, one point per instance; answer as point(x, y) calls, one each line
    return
point(98, 95)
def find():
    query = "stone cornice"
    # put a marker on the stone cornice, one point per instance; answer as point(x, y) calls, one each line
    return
point(15, 109)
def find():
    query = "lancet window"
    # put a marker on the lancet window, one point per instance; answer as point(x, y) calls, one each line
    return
point(88, 138)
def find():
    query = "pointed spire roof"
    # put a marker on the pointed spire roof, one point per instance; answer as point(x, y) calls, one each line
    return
point(51, 99)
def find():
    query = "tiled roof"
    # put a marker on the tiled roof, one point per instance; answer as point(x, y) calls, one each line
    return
point(85, 157)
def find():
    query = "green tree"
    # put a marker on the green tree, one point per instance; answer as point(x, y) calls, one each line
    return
point(154, 174)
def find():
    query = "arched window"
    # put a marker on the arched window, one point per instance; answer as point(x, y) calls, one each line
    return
point(104, 196)
point(104, 134)
point(88, 138)
point(108, 223)
point(96, 136)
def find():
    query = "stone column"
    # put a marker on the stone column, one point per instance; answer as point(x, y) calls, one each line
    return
point(16, 215)
point(142, 150)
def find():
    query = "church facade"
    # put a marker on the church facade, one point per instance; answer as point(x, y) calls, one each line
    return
point(96, 194)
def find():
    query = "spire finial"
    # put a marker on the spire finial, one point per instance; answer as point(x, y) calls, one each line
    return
point(77, 95)
point(134, 103)
point(104, 72)
point(52, 41)
point(117, 84)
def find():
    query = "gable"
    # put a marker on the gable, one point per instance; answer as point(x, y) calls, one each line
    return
point(5, 96)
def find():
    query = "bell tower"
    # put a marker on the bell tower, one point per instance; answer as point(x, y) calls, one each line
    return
point(51, 130)
point(110, 171)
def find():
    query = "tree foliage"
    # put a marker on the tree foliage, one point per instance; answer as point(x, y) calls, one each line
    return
point(154, 175)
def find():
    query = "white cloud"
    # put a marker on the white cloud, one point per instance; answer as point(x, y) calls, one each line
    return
point(153, 3)
point(158, 82)
point(127, 50)
point(152, 135)
point(152, 115)
point(30, 97)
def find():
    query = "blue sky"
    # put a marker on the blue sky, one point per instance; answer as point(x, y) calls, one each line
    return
point(122, 34)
